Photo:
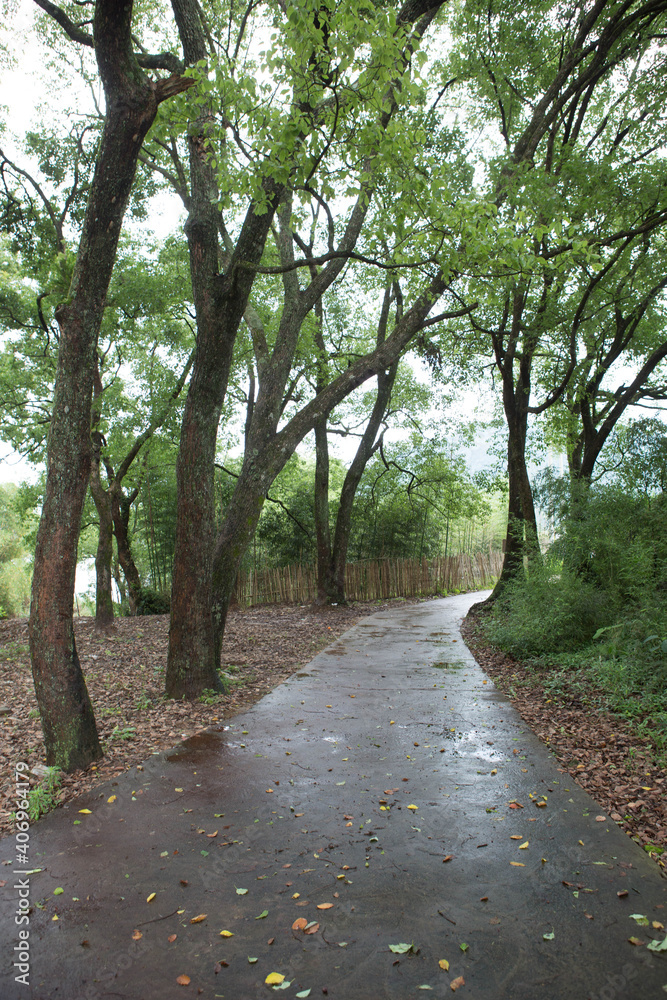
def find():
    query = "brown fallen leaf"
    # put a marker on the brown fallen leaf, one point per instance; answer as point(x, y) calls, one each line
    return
point(271, 940)
point(313, 929)
point(172, 938)
point(622, 894)
point(324, 906)
point(448, 858)
point(635, 941)
point(541, 804)
point(183, 980)
point(137, 935)
point(198, 919)
point(215, 834)
point(299, 924)
point(455, 983)
point(515, 805)
point(184, 881)
point(515, 836)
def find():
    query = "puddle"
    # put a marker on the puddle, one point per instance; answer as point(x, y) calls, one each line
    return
point(473, 744)
point(194, 750)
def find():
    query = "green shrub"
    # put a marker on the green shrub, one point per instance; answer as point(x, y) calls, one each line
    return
point(552, 609)
point(151, 602)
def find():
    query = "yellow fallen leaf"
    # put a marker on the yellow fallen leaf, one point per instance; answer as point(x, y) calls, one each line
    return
point(226, 934)
point(495, 770)
point(444, 964)
point(112, 798)
point(414, 808)
point(517, 864)
point(178, 789)
point(515, 836)
point(137, 935)
point(392, 723)
point(328, 706)
point(295, 895)
point(87, 812)
point(657, 926)
point(55, 917)
point(274, 978)
point(214, 834)
point(151, 898)
point(522, 847)
point(581, 842)
point(183, 980)
point(198, 919)
point(324, 906)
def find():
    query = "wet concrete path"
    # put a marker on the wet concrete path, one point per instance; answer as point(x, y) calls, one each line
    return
point(375, 796)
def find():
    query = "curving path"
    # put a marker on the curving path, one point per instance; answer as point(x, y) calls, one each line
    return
point(338, 799)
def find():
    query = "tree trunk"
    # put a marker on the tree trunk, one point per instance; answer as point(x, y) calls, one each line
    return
point(120, 507)
point(104, 554)
point(68, 722)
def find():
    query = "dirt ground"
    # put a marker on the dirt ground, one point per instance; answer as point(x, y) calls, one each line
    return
point(599, 750)
point(124, 670)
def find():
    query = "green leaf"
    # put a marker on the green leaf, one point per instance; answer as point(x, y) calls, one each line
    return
point(241, 892)
point(303, 994)
point(657, 945)
point(464, 947)
point(284, 985)
point(549, 937)
point(263, 914)
point(58, 891)
point(403, 948)
point(251, 961)
point(640, 919)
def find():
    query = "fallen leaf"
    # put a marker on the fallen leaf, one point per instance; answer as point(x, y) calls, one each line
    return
point(622, 893)
point(274, 978)
point(414, 808)
point(226, 934)
point(241, 892)
point(172, 938)
point(464, 947)
point(137, 935)
point(540, 805)
point(403, 948)
point(87, 812)
point(657, 945)
point(515, 836)
point(640, 919)
point(517, 864)
point(444, 964)
point(448, 858)
point(183, 980)
point(515, 805)
point(657, 926)
point(151, 897)
point(198, 919)
point(58, 892)
point(549, 937)
point(299, 924)
point(637, 941)
point(600, 819)
point(312, 928)
point(212, 834)
point(303, 994)
point(263, 914)
point(251, 961)
point(324, 906)
point(112, 798)
point(455, 983)
point(522, 847)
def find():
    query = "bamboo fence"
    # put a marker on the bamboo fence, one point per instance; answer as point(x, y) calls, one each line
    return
point(373, 580)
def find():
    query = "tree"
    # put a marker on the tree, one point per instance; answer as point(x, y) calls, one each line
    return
point(132, 100)
point(296, 144)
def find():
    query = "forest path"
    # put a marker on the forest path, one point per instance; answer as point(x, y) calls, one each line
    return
point(386, 794)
